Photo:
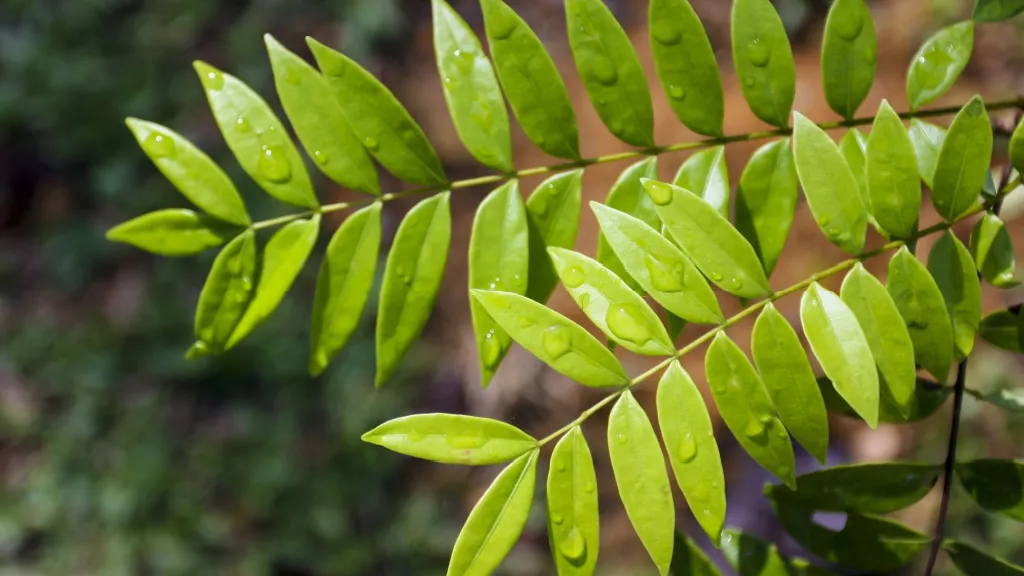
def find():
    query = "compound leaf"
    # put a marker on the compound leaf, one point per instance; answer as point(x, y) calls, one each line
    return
point(553, 212)
point(952, 267)
point(706, 175)
point(963, 161)
point(766, 200)
point(172, 232)
point(573, 518)
point(939, 62)
point(452, 439)
point(924, 312)
point(764, 60)
point(849, 56)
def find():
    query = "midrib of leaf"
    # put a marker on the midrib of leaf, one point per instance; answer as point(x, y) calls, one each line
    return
point(721, 250)
point(504, 507)
point(959, 175)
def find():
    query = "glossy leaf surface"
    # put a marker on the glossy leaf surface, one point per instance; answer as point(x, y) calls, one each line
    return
point(172, 232)
point(766, 200)
point(939, 62)
point(1004, 329)
point(627, 195)
point(952, 267)
point(452, 439)
point(226, 293)
point(992, 249)
point(706, 175)
point(924, 312)
point(763, 60)
point(892, 177)
point(573, 517)
point(927, 139)
point(873, 488)
point(974, 562)
point(553, 217)
point(849, 56)
point(996, 485)
point(963, 161)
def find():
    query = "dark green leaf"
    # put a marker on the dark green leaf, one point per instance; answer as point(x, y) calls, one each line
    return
point(992, 249)
point(452, 439)
point(963, 161)
point(172, 232)
point(191, 171)
point(412, 278)
point(640, 474)
point(553, 211)
point(952, 267)
point(928, 397)
point(378, 119)
point(573, 518)
point(766, 200)
point(849, 56)
point(939, 62)
point(927, 139)
point(751, 556)
point(875, 488)
point(226, 294)
point(343, 286)
point(318, 121)
point(255, 135)
point(706, 175)
point(974, 562)
point(611, 71)
point(996, 10)
point(924, 312)
point(996, 485)
point(627, 195)
point(763, 60)
point(689, 560)
point(893, 180)
point(1004, 329)
point(531, 81)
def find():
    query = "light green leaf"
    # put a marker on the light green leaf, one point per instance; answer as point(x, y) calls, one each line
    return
point(611, 304)
point(874, 488)
point(499, 259)
point(927, 399)
point(766, 200)
point(172, 232)
point(283, 258)
point(829, 185)
point(452, 439)
point(687, 66)
point(497, 520)
point(893, 181)
point(226, 293)
point(997, 10)
point(963, 161)
point(658, 266)
point(849, 56)
point(1017, 147)
point(382, 124)
point(343, 286)
point(640, 474)
point(763, 60)
point(709, 240)
point(853, 147)
point(317, 119)
point(747, 409)
point(992, 249)
point(974, 562)
point(610, 71)
point(689, 560)
point(952, 267)
point(886, 334)
point(531, 81)
point(412, 278)
point(471, 89)
point(706, 175)
point(674, 324)
point(927, 139)
point(924, 312)
point(556, 340)
point(939, 62)
point(262, 146)
point(627, 195)
point(996, 485)
point(690, 440)
point(842, 349)
point(553, 211)
point(573, 518)
point(789, 380)
point(191, 171)
point(1004, 329)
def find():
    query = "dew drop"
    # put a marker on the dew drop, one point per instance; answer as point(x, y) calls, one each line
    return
point(560, 465)
point(214, 80)
point(463, 59)
point(736, 283)
point(833, 232)
point(765, 418)
point(660, 193)
point(622, 438)
point(557, 519)
point(589, 488)
point(666, 32)
point(665, 277)
point(491, 349)
point(677, 92)
point(540, 205)
point(849, 28)
point(716, 276)
point(274, 166)
point(754, 428)
point(158, 145)
point(320, 157)
point(604, 72)
point(557, 341)
point(823, 221)
point(495, 284)
point(626, 323)
point(465, 441)
point(687, 448)
point(585, 300)
point(573, 547)
point(572, 276)
point(449, 83)
point(870, 54)
point(242, 125)
point(758, 54)
point(503, 28)
point(371, 143)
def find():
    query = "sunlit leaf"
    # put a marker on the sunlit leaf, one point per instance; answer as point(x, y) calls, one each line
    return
point(763, 60)
point(225, 294)
point(849, 56)
point(992, 249)
point(766, 200)
point(927, 139)
point(939, 62)
point(963, 161)
point(952, 267)
point(892, 176)
point(452, 439)
point(173, 232)
point(573, 518)
point(924, 312)
point(1017, 147)
point(553, 212)
point(627, 195)
point(853, 147)
point(706, 175)
point(996, 485)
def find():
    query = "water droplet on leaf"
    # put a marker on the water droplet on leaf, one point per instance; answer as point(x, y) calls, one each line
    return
point(274, 166)
point(371, 143)
point(604, 71)
point(242, 125)
point(158, 144)
point(665, 277)
point(660, 193)
point(687, 448)
point(677, 92)
point(626, 323)
point(491, 349)
point(214, 80)
point(557, 341)
point(758, 54)
point(849, 28)
point(557, 519)
point(666, 32)
point(320, 157)
point(716, 276)
point(463, 59)
point(572, 276)
point(754, 428)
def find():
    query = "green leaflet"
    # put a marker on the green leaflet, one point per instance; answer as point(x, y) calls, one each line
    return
point(924, 312)
point(842, 349)
point(627, 195)
point(763, 60)
point(992, 249)
point(893, 180)
point(853, 147)
point(963, 161)
point(531, 81)
point(709, 240)
point(939, 62)
point(996, 10)
point(412, 278)
point(690, 441)
point(610, 71)
point(611, 304)
point(317, 119)
point(343, 286)
point(1004, 329)
point(849, 56)
point(1010, 399)
point(974, 562)
point(283, 258)
point(1017, 147)
point(751, 556)
point(378, 119)
point(875, 488)
point(553, 212)
point(452, 439)
point(766, 200)
point(640, 474)
point(706, 175)
point(225, 294)
point(497, 520)
point(191, 171)
point(927, 139)
point(887, 336)
point(747, 409)
point(658, 266)
point(256, 137)
point(996, 485)
point(573, 518)
point(499, 259)
point(952, 267)
point(686, 66)
point(556, 340)
point(789, 380)
point(471, 89)
point(689, 560)
point(172, 232)
point(829, 185)
point(926, 400)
